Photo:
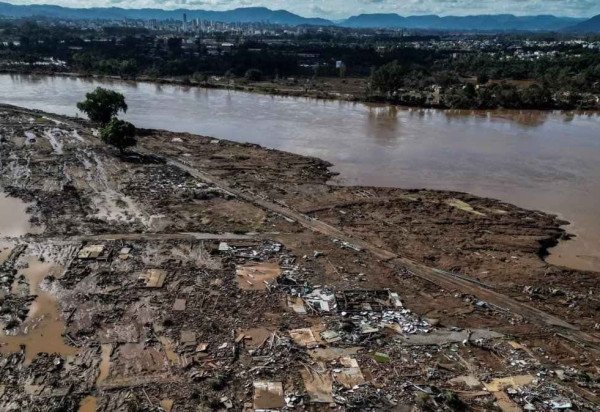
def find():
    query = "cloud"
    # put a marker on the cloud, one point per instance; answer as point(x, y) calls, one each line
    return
point(345, 8)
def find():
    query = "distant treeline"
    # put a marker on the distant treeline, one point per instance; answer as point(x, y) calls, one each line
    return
point(569, 77)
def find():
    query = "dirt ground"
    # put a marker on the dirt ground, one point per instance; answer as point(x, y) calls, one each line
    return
point(336, 88)
point(201, 274)
point(351, 88)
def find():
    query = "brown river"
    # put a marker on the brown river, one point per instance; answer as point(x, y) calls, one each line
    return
point(538, 160)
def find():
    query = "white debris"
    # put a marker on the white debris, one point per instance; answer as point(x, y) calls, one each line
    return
point(53, 138)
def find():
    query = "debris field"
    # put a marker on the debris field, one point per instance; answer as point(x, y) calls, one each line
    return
point(197, 274)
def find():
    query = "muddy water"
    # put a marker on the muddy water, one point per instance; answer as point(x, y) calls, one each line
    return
point(104, 362)
point(14, 223)
point(88, 404)
point(14, 220)
point(537, 160)
point(42, 330)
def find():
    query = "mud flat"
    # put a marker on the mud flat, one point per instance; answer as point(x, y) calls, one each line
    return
point(203, 274)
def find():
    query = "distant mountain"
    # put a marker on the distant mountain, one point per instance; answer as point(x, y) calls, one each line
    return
point(500, 22)
point(241, 15)
point(588, 26)
point(378, 20)
point(496, 22)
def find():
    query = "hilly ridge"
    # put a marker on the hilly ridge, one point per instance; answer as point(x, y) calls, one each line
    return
point(499, 22)
point(240, 15)
point(589, 26)
point(476, 22)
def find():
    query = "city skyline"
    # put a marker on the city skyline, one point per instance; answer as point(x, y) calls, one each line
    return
point(338, 9)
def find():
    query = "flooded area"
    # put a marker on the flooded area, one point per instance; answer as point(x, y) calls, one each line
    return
point(14, 220)
point(266, 284)
point(536, 160)
point(42, 330)
point(104, 362)
point(88, 404)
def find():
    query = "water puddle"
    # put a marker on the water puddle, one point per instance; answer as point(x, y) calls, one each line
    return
point(14, 219)
point(88, 404)
point(104, 362)
point(578, 253)
point(42, 330)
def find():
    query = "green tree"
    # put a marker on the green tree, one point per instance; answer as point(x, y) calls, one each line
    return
point(469, 91)
point(536, 96)
point(84, 61)
point(128, 68)
point(388, 78)
point(119, 133)
point(174, 45)
point(102, 105)
point(253, 75)
point(199, 77)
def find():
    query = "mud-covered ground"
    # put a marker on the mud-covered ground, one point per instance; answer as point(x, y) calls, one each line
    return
point(201, 274)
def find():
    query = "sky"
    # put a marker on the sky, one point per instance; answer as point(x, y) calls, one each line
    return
point(335, 9)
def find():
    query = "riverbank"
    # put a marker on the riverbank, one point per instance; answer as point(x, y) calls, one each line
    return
point(319, 91)
point(188, 273)
point(347, 90)
point(534, 159)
